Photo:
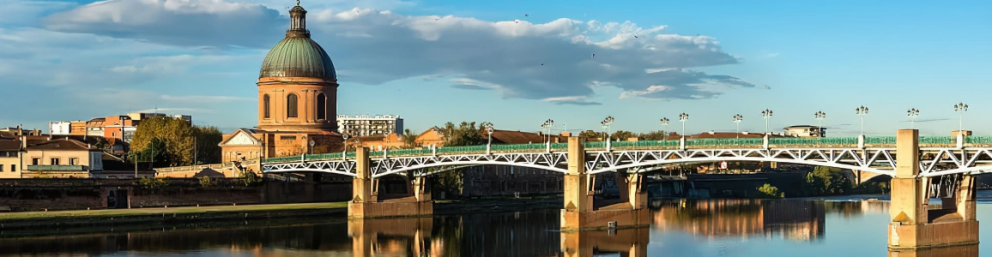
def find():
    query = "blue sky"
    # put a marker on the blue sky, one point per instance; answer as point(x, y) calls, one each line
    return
point(438, 61)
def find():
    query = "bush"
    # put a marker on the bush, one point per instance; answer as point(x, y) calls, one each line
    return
point(206, 182)
point(250, 178)
point(152, 183)
point(769, 191)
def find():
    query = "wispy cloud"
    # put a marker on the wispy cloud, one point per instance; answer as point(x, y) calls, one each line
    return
point(204, 98)
point(514, 58)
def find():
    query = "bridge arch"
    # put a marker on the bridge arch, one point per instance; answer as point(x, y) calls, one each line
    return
point(750, 159)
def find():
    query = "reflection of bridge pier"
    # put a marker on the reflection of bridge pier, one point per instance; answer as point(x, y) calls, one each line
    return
point(367, 202)
point(394, 236)
point(913, 224)
point(583, 211)
point(952, 251)
point(628, 242)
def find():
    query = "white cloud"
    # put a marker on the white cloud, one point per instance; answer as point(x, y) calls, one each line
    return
point(651, 90)
point(576, 100)
point(517, 59)
point(204, 98)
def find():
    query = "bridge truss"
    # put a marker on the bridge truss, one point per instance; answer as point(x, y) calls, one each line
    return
point(933, 161)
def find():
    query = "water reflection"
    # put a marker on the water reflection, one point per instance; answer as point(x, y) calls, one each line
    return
point(717, 227)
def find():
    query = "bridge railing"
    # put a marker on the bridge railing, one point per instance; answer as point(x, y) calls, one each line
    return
point(703, 143)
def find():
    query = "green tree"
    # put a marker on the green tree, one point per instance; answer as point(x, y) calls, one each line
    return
point(621, 135)
point(653, 135)
point(177, 135)
point(465, 133)
point(409, 139)
point(590, 135)
point(154, 153)
point(769, 191)
point(827, 181)
point(207, 144)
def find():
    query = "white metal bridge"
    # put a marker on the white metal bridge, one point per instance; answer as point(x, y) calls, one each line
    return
point(937, 156)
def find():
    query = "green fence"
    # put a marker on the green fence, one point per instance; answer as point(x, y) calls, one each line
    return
point(978, 140)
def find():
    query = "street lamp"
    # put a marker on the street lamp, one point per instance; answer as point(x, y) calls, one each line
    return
point(960, 108)
point(737, 121)
point(913, 113)
point(862, 111)
point(683, 117)
point(767, 114)
point(345, 153)
point(607, 124)
point(819, 116)
point(664, 131)
point(547, 126)
point(489, 130)
point(312, 143)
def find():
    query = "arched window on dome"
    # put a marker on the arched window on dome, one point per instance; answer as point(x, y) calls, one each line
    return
point(321, 106)
point(291, 106)
point(265, 102)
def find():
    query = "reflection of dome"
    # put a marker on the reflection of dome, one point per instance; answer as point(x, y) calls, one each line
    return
point(297, 55)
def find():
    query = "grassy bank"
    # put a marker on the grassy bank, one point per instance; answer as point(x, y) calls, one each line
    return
point(41, 215)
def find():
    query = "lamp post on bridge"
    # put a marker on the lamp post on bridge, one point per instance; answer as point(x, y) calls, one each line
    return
point(862, 111)
point(960, 108)
point(683, 117)
point(737, 121)
point(819, 116)
point(344, 154)
point(767, 114)
point(312, 143)
point(607, 127)
point(913, 113)
point(548, 124)
point(664, 131)
point(489, 130)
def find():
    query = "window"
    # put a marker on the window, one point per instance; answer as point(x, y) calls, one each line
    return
point(55, 161)
point(35, 161)
point(265, 102)
point(1, 167)
point(321, 106)
point(73, 161)
point(291, 106)
point(13, 168)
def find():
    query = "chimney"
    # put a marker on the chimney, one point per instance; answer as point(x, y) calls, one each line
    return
point(24, 142)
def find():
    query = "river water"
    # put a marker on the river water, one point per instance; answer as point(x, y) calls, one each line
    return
point(850, 227)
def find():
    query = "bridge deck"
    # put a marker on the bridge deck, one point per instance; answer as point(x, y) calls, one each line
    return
point(744, 143)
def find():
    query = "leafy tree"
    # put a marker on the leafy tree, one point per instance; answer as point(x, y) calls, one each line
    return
point(465, 133)
point(769, 191)
point(654, 135)
point(621, 135)
point(590, 135)
point(207, 144)
point(155, 153)
point(827, 181)
point(182, 142)
point(409, 139)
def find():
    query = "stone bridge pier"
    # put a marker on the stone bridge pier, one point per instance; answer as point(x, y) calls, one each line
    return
point(583, 212)
point(914, 225)
point(367, 203)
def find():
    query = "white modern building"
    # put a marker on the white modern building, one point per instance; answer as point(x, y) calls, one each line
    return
point(805, 131)
point(59, 128)
point(365, 125)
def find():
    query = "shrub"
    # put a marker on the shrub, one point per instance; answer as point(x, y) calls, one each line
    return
point(152, 183)
point(769, 191)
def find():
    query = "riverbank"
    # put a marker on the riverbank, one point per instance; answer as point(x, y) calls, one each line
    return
point(206, 214)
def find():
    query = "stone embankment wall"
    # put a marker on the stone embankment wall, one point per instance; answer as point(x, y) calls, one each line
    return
point(82, 194)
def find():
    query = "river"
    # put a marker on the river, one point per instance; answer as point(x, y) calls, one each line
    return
point(795, 227)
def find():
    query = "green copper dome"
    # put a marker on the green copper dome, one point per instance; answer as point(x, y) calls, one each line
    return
point(297, 55)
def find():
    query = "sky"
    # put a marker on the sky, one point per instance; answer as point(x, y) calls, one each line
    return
point(514, 63)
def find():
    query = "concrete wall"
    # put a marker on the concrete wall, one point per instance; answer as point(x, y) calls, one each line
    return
point(75, 194)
